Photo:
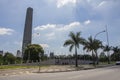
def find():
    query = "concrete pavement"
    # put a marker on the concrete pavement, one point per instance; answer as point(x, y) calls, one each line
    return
point(50, 69)
point(107, 73)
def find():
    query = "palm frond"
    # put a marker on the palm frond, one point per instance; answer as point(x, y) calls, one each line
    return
point(73, 36)
point(71, 47)
point(78, 34)
point(68, 42)
point(92, 44)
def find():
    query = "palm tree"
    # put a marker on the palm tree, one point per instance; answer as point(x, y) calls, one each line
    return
point(116, 49)
point(74, 41)
point(107, 49)
point(116, 53)
point(92, 45)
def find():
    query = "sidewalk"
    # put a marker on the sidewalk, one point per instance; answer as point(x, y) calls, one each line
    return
point(50, 69)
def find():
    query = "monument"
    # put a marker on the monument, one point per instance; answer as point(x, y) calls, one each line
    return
point(27, 36)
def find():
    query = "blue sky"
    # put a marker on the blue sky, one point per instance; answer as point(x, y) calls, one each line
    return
point(54, 19)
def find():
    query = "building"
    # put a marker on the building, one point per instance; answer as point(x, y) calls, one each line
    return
point(19, 54)
point(27, 36)
point(51, 55)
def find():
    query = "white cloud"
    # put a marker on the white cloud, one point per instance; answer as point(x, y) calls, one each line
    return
point(50, 34)
point(44, 45)
point(61, 3)
point(58, 27)
point(102, 3)
point(69, 26)
point(87, 22)
point(44, 27)
point(6, 31)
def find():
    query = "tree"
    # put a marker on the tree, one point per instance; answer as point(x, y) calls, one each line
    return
point(86, 57)
point(18, 60)
point(70, 56)
point(74, 41)
point(92, 45)
point(107, 49)
point(116, 54)
point(116, 49)
point(9, 58)
point(1, 59)
point(103, 57)
point(115, 57)
point(33, 52)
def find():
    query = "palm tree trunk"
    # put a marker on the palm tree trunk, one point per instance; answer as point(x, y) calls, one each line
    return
point(97, 60)
point(93, 57)
point(108, 57)
point(76, 61)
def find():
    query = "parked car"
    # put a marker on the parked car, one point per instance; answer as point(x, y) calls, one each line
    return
point(117, 62)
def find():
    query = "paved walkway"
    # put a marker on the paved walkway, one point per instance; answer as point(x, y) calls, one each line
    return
point(50, 69)
point(106, 73)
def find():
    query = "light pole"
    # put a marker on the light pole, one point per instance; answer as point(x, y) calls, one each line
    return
point(99, 33)
point(108, 45)
point(94, 39)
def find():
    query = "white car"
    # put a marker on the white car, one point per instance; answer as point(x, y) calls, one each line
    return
point(117, 62)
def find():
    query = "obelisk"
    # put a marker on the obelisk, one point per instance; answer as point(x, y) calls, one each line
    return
point(27, 36)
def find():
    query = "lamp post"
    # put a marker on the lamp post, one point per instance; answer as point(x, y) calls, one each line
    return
point(99, 33)
point(108, 45)
point(94, 39)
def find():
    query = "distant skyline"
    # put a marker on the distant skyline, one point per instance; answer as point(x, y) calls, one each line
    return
point(54, 19)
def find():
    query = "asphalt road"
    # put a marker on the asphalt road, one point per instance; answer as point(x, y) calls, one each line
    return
point(108, 73)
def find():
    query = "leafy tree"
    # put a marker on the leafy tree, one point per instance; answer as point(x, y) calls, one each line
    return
point(106, 48)
point(9, 58)
point(45, 57)
point(86, 57)
point(116, 54)
point(74, 42)
point(1, 59)
point(92, 45)
point(115, 57)
point(18, 60)
point(33, 52)
point(103, 57)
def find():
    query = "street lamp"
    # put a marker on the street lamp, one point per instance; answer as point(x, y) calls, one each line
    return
point(108, 45)
point(95, 38)
point(99, 33)
point(107, 42)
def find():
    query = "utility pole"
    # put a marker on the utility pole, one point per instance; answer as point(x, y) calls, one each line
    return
point(94, 39)
point(107, 44)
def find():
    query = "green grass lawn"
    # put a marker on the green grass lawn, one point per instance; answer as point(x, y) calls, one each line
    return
point(42, 66)
point(105, 63)
point(16, 67)
point(22, 66)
